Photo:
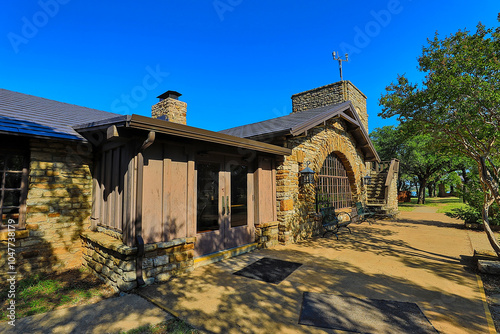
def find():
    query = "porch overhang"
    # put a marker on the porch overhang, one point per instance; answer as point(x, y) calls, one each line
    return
point(93, 131)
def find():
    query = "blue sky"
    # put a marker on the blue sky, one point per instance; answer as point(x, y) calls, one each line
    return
point(235, 61)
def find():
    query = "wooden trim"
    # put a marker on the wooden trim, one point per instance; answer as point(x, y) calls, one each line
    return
point(191, 196)
point(180, 130)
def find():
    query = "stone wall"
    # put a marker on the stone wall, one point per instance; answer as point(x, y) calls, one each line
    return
point(296, 204)
point(173, 109)
point(115, 263)
point(58, 208)
point(266, 234)
point(331, 94)
point(392, 206)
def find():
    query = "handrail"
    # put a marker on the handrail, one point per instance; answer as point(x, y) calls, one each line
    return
point(393, 168)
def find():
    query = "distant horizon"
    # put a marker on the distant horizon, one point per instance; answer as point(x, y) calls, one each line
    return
point(234, 62)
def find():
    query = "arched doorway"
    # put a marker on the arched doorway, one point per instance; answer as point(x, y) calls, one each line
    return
point(334, 188)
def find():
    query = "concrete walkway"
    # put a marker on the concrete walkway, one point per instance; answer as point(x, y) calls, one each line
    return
point(422, 258)
point(108, 316)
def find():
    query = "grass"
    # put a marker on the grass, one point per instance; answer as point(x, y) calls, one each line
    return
point(444, 204)
point(173, 326)
point(39, 294)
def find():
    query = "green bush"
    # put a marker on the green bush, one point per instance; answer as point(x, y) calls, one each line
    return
point(472, 215)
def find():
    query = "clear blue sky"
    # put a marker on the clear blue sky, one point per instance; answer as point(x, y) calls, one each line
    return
point(234, 61)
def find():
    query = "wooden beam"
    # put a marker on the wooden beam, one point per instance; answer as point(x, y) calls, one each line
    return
point(112, 132)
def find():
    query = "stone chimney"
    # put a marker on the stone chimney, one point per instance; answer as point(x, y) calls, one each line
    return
point(170, 108)
point(334, 93)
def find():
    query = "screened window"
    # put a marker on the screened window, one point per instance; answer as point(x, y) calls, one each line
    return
point(333, 184)
point(13, 186)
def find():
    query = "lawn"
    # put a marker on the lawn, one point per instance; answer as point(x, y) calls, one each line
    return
point(444, 204)
point(43, 293)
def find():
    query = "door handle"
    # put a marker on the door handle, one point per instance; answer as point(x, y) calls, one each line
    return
point(227, 203)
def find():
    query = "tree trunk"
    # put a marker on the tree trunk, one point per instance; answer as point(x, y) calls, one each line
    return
point(466, 182)
point(486, 224)
point(442, 190)
point(491, 194)
point(421, 191)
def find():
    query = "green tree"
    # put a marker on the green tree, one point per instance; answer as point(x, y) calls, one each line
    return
point(417, 154)
point(458, 102)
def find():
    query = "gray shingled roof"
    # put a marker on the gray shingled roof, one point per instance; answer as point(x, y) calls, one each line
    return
point(299, 122)
point(35, 116)
point(288, 124)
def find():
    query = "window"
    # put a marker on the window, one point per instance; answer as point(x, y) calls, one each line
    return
point(334, 188)
point(14, 164)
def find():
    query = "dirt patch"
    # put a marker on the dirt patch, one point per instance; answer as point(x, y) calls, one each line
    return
point(491, 285)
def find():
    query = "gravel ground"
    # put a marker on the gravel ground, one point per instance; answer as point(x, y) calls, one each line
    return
point(492, 289)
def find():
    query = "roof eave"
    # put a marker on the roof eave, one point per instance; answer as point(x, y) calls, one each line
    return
point(181, 130)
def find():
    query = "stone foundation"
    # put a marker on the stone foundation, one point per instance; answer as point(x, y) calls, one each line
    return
point(266, 235)
point(115, 263)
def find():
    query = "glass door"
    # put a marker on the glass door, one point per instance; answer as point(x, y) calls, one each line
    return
point(223, 209)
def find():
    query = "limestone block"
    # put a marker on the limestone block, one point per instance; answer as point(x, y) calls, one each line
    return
point(286, 205)
point(161, 260)
point(489, 267)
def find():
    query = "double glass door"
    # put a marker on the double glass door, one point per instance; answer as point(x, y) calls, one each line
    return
point(224, 192)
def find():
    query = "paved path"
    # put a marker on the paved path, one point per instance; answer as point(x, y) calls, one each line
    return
point(108, 316)
point(422, 258)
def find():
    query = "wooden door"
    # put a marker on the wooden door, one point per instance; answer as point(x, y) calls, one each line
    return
point(224, 213)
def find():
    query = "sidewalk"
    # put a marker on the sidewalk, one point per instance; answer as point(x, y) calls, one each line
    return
point(108, 316)
point(423, 258)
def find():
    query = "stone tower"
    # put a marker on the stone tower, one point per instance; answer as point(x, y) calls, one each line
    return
point(331, 94)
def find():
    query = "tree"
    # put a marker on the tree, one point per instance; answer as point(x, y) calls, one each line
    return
point(417, 154)
point(458, 102)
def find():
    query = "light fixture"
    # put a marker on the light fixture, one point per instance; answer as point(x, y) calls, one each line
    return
point(307, 175)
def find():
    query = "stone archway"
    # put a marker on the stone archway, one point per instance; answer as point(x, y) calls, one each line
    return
point(346, 152)
point(333, 184)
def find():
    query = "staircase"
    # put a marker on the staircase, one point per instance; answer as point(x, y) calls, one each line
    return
point(382, 175)
point(376, 189)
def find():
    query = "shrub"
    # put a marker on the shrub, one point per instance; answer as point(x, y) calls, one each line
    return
point(472, 215)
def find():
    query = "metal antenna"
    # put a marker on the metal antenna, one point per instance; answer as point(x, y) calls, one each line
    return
point(336, 56)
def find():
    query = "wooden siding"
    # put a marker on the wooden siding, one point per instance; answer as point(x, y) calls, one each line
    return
point(165, 204)
point(265, 191)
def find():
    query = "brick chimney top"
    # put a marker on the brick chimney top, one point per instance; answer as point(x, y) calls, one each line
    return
point(171, 94)
point(169, 108)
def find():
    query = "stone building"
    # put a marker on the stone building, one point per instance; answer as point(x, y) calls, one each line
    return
point(139, 199)
point(45, 182)
point(326, 131)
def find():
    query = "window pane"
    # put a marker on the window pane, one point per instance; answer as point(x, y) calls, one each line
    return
point(239, 208)
point(15, 162)
point(334, 184)
point(13, 180)
point(208, 197)
point(11, 198)
point(2, 162)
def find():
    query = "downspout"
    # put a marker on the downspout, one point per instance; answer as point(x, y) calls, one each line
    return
point(138, 221)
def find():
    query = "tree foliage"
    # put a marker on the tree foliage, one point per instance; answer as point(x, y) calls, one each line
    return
point(458, 102)
point(418, 154)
